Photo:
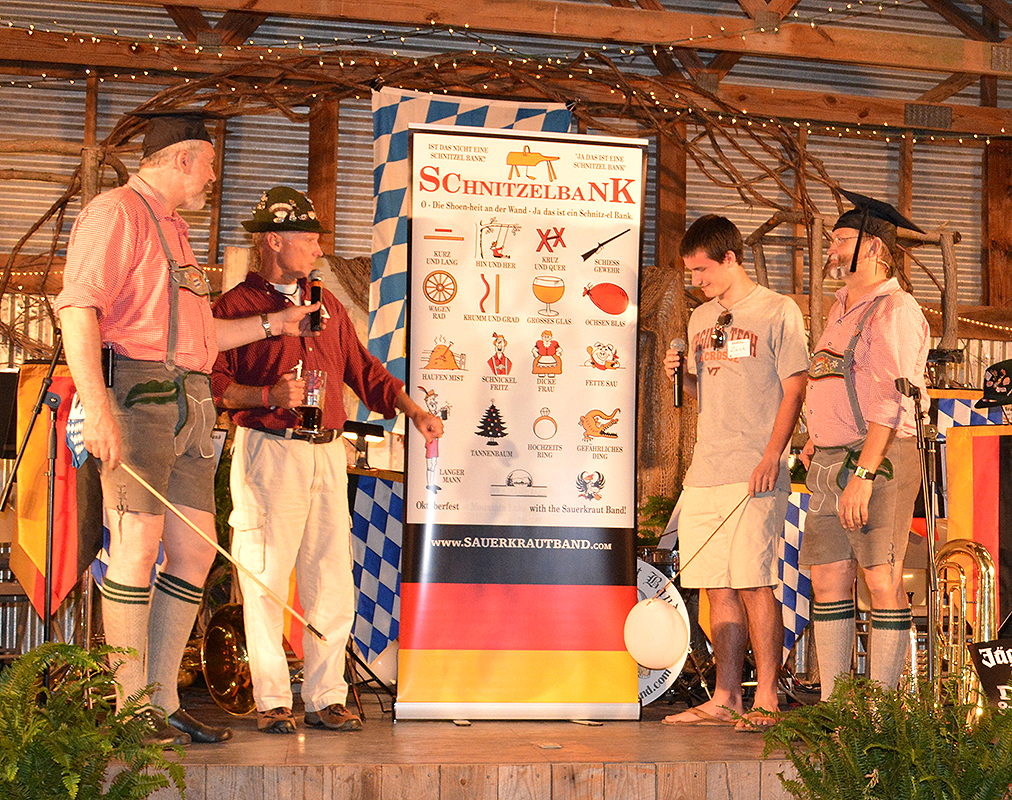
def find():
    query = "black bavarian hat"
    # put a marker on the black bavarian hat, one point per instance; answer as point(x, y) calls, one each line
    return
point(169, 127)
point(997, 386)
point(284, 209)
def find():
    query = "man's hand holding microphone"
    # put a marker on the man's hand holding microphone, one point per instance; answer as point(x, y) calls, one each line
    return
point(674, 367)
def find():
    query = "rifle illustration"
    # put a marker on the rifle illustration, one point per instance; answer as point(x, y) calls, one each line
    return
point(593, 250)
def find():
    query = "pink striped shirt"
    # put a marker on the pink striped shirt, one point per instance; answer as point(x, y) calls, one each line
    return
point(116, 265)
point(894, 344)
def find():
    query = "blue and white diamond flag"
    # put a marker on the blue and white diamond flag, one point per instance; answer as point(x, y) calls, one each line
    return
point(393, 111)
point(376, 545)
point(795, 588)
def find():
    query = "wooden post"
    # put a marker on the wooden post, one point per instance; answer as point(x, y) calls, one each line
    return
point(89, 153)
point(996, 225)
point(905, 200)
point(800, 229)
point(214, 230)
point(322, 179)
point(815, 304)
point(950, 307)
point(759, 262)
point(665, 434)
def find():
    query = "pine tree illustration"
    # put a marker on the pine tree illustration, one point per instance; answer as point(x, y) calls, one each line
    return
point(492, 426)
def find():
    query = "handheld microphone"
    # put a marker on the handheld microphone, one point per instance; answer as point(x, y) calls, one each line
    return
point(678, 345)
point(315, 295)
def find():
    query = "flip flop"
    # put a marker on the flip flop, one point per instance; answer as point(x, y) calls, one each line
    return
point(698, 717)
point(756, 722)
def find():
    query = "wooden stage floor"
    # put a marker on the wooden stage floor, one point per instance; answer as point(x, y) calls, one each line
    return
point(415, 760)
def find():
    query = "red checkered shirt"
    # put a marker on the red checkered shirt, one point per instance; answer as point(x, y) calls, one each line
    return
point(116, 265)
point(894, 344)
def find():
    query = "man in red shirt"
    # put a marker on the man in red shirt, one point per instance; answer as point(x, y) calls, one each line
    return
point(124, 288)
point(290, 485)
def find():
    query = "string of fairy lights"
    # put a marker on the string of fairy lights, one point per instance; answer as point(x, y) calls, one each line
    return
point(575, 58)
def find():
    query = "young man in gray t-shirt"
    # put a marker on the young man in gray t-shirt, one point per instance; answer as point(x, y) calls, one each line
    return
point(747, 366)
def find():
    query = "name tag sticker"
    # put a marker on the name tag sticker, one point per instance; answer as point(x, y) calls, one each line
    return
point(739, 348)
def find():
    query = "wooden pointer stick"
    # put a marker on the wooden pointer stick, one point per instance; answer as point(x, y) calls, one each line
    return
point(228, 556)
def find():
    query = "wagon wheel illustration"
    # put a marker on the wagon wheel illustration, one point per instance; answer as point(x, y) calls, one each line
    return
point(439, 286)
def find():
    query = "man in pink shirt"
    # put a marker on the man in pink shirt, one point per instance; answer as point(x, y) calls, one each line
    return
point(862, 458)
point(131, 284)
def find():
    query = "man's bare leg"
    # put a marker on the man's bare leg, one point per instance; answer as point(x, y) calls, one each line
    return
point(766, 634)
point(728, 629)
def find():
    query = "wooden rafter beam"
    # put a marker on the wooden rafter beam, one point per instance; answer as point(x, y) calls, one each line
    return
point(960, 20)
point(662, 59)
point(954, 84)
point(156, 62)
point(723, 62)
point(1001, 9)
point(236, 27)
point(189, 20)
point(589, 22)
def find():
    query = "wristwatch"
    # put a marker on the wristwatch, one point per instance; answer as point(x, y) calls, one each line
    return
point(863, 473)
point(267, 325)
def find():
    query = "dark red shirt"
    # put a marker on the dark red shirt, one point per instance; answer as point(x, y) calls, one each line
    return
point(337, 350)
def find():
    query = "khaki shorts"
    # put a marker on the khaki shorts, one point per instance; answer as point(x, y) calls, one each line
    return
point(743, 552)
point(165, 419)
point(883, 540)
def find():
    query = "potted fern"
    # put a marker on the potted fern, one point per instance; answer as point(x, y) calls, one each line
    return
point(866, 742)
point(58, 743)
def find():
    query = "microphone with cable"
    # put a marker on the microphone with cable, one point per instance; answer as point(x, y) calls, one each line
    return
point(315, 296)
point(678, 345)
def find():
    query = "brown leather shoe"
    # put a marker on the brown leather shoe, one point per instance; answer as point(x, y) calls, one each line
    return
point(335, 717)
point(276, 720)
point(160, 732)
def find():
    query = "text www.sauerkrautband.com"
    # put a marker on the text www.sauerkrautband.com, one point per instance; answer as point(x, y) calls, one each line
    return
point(493, 542)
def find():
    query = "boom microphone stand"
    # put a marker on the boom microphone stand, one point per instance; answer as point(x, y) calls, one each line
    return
point(927, 447)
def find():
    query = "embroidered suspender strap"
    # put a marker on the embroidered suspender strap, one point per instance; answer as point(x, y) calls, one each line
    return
point(848, 364)
point(174, 280)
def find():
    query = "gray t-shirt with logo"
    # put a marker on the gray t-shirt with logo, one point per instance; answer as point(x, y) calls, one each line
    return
point(739, 384)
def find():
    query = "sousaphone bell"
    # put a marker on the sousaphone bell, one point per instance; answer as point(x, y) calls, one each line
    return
point(224, 661)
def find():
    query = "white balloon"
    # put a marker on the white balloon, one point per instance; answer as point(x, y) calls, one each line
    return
point(655, 634)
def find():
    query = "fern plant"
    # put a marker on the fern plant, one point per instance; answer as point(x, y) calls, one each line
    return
point(866, 742)
point(57, 743)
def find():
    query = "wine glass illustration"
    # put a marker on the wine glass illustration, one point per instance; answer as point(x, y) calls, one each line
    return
point(548, 289)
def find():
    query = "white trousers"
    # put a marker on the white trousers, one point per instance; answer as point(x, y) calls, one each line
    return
point(290, 509)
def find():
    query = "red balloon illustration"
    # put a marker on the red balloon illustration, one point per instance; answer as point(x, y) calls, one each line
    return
point(608, 297)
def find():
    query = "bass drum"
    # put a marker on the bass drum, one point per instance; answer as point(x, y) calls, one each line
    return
point(224, 661)
point(649, 580)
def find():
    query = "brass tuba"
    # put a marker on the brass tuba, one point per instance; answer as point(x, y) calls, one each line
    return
point(224, 661)
point(966, 610)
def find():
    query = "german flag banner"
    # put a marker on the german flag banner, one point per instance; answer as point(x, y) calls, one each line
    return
point(71, 557)
point(516, 623)
point(979, 470)
point(518, 568)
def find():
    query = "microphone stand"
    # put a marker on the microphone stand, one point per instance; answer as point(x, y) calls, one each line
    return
point(52, 400)
point(927, 446)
